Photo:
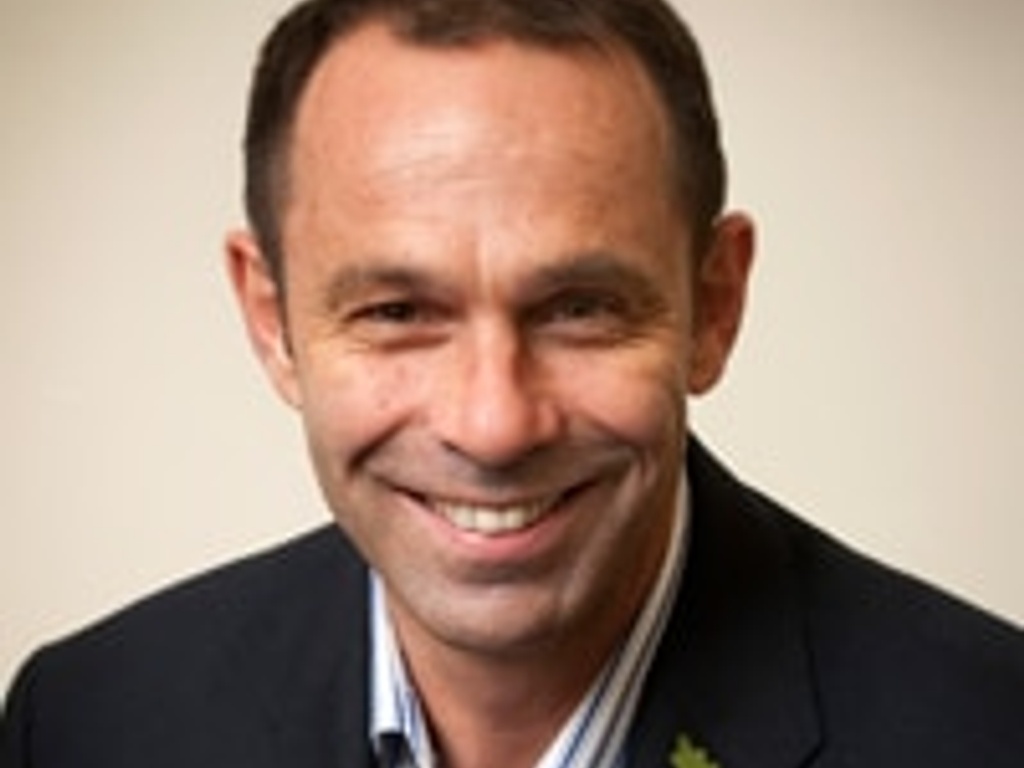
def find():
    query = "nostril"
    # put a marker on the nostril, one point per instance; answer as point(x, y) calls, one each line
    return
point(499, 439)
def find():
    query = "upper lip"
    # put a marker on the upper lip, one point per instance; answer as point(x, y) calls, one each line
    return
point(536, 501)
point(491, 501)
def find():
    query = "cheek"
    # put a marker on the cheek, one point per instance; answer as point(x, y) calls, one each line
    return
point(350, 404)
point(640, 403)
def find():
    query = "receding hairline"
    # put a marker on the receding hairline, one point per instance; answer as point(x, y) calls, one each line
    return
point(604, 48)
point(648, 33)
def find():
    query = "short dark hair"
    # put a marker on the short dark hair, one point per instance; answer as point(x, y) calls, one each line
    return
point(647, 29)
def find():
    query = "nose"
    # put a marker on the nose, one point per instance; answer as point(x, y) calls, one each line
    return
point(494, 405)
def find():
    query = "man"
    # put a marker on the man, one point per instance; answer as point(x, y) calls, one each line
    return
point(488, 264)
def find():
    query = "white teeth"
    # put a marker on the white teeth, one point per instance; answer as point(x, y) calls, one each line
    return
point(491, 521)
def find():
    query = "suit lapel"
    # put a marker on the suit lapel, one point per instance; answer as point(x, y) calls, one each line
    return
point(733, 672)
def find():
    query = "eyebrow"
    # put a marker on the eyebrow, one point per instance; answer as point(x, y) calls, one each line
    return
point(588, 268)
point(599, 269)
point(353, 281)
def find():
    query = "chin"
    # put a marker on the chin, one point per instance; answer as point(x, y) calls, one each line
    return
point(505, 619)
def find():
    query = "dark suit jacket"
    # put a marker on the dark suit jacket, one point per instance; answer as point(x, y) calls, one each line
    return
point(785, 650)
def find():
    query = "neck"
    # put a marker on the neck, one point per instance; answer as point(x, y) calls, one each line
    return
point(507, 702)
point(480, 708)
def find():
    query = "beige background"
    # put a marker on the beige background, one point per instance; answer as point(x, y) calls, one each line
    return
point(878, 386)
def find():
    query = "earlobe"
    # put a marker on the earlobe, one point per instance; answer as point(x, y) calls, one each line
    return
point(262, 308)
point(720, 289)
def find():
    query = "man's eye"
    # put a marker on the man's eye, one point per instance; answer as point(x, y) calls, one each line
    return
point(398, 312)
point(586, 317)
point(395, 324)
point(583, 307)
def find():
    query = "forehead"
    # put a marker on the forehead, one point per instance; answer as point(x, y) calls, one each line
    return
point(376, 105)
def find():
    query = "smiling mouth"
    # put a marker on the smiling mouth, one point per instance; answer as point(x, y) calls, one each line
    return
point(494, 520)
point(490, 520)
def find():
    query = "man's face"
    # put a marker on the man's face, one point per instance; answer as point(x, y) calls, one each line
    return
point(491, 327)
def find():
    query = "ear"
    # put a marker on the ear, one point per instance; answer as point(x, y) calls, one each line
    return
point(720, 290)
point(262, 308)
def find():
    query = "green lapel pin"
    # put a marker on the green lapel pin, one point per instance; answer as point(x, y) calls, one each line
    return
point(689, 755)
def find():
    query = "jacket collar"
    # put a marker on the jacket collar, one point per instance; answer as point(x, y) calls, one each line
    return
point(733, 673)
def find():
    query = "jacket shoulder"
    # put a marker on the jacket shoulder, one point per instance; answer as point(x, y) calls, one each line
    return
point(194, 674)
point(903, 667)
point(285, 579)
point(900, 672)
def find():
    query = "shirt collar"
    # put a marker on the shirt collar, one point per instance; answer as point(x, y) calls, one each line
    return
point(595, 735)
point(395, 706)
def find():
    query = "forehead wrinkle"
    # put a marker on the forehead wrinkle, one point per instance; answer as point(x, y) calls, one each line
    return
point(461, 151)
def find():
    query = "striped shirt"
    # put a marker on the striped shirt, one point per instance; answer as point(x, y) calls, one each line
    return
point(593, 737)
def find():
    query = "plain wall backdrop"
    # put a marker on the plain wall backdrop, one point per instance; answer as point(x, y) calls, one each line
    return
point(877, 387)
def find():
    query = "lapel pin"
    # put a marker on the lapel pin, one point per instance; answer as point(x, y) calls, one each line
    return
point(689, 755)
